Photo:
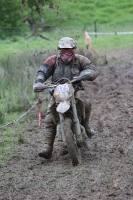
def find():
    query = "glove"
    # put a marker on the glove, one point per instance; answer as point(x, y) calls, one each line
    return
point(80, 78)
point(86, 75)
point(39, 81)
point(38, 86)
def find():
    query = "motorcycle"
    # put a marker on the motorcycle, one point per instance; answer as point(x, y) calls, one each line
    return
point(64, 110)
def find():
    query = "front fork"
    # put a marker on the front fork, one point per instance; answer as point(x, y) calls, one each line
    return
point(75, 118)
point(77, 126)
point(62, 127)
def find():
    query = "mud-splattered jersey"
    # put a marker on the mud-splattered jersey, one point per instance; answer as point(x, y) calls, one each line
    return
point(54, 67)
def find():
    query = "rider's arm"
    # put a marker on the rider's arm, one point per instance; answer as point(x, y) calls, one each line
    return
point(88, 69)
point(46, 69)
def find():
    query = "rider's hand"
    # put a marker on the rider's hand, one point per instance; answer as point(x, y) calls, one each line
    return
point(38, 86)
point(86, 74)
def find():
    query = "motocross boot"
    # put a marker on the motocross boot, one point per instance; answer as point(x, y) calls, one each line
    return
point(50, 132)
point(48, 146)
point(85, 123)
point(89, 131)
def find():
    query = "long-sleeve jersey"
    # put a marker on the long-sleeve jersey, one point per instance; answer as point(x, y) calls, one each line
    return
point(55, 68)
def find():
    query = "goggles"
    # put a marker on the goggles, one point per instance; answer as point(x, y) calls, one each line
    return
point(68, 51)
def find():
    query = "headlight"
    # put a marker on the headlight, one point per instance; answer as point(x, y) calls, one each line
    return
point(63, 92)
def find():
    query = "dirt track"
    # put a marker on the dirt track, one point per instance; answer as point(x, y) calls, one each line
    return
point(106, 172)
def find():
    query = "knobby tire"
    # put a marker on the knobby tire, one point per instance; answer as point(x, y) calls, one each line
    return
point(71, 143)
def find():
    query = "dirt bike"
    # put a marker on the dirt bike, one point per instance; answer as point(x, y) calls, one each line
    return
point(64, 108)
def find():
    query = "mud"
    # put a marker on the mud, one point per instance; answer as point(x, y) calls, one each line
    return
point(106, 172)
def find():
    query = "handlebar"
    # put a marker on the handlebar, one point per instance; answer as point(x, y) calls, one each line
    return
point(38, 87)
point(52, 85)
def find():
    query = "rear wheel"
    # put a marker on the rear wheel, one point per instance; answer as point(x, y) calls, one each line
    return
point(73, 150)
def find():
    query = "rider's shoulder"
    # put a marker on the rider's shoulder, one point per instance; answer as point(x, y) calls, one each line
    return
point(82, 58)
point(50, 60)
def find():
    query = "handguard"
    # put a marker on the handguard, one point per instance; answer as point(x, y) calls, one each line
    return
point(38, 87)
point(84, 75)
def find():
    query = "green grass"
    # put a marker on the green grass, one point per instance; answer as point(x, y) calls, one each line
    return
point(84, 12)
point(102, 43)
point(10, 137)
point(43, 47)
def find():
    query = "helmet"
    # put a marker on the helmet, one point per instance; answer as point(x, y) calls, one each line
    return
point(66, 42)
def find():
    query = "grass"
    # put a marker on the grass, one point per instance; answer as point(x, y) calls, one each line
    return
point(6, 142)
point(43, 47)
point(111, 42)
point(84, 12)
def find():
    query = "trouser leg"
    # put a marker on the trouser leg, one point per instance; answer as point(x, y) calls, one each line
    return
point(90, 132)
point(49, 136)
point(85, 122)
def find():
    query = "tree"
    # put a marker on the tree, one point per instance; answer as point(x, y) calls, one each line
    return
point(14, 12)
point(10, 17)
point(35, 18)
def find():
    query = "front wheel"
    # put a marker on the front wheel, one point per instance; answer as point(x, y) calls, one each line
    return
point(73, 150)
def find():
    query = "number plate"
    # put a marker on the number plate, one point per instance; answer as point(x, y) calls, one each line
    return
point(62, 88)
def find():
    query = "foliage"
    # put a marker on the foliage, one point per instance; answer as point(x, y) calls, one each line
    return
point(10, 18)
point(65, 15)
point(84, 13)
point(36, 3)
point(35, 6)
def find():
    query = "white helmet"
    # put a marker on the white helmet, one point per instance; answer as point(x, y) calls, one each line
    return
point(66, 42)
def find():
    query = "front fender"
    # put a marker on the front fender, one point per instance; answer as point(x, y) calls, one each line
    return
point(63, 107)
point(54, 112)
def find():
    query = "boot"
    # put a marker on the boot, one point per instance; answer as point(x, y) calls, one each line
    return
point(85, 123)
point(48, 145)
point(50, 132)
point(89, 131)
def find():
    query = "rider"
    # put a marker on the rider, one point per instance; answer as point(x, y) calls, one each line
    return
point(69, 65)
